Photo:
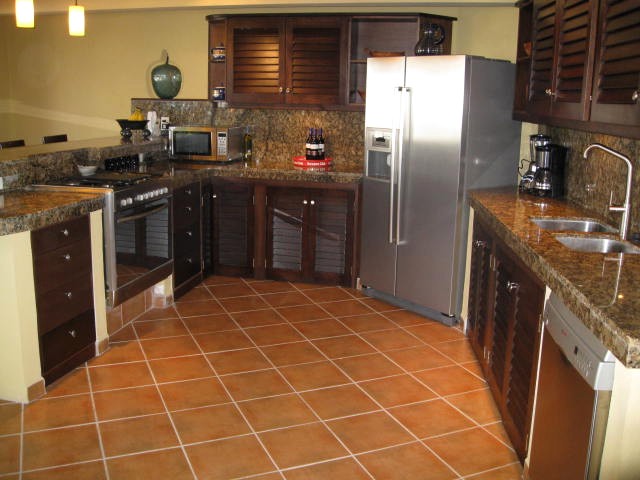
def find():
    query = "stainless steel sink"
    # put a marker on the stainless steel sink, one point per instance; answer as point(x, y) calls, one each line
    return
point(597, 244)
point(572, 224)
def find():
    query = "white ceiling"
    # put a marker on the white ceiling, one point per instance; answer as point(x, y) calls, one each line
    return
point(58, 6)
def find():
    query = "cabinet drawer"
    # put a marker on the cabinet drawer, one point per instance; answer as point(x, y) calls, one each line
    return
point(68, 261)
point(64, 302)
point(187, 254)
point(65, 341)
point(61, 234)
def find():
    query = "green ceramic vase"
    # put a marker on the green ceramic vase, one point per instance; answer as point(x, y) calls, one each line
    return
point(166, 80)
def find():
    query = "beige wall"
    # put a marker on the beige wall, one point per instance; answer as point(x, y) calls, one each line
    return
point(78, 86)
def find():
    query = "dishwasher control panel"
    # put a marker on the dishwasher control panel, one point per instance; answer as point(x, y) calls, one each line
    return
point(583, 350)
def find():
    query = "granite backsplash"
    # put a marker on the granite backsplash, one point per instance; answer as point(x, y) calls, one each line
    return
point(278, 135)
point(589, 183)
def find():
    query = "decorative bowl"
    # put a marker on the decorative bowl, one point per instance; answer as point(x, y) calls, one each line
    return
point(86, 170)
point(128, 125)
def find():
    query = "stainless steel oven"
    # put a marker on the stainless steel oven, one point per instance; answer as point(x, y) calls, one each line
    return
point(138, 245)
point(137, 226)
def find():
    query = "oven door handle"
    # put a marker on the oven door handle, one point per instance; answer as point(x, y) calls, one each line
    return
point(142, 214)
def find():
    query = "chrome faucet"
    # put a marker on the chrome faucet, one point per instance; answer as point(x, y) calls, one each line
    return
point(626, 207)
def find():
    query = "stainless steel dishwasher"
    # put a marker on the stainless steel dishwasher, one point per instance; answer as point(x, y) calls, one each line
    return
point(572, 401)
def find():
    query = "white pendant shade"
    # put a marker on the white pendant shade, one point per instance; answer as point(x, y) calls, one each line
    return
point(76, 21)
point(24, 13)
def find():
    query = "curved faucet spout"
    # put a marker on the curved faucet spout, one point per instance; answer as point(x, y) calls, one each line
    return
point(626, 207)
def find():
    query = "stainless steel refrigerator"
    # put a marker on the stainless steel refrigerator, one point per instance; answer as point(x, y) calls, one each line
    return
point(435, 127)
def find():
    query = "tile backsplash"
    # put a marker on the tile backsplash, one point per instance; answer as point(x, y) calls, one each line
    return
point(590, 182)
point(278, 134)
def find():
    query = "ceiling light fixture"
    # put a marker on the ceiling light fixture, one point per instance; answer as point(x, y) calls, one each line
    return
point(76, 20)
point(24, 14)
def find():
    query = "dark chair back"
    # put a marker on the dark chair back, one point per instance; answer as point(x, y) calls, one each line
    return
point(55, 138)
point(11, 144)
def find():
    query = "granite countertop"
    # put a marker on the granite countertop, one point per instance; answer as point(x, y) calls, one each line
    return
point(600, 289)
point(28, 210)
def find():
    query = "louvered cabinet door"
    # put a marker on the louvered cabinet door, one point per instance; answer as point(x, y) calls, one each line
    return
point(519, 304)
point(575, 48)
point(330, 218)
point(287, 228)
point(480, 287)
point(231, 228)
point(316, 60)
point(542, 57)
point(256, 52)
point(616, 86)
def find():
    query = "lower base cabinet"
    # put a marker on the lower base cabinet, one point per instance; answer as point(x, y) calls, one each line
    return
point(64, 296)
point(187, 238)
point(506, 302)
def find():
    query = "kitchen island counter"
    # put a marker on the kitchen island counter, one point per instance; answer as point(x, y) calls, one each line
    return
point(601, 289)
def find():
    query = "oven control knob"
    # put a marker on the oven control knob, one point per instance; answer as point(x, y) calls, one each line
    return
point(139, 197)
point(123, 202)
point(129, 200)
point(151, 194)
point(159, 191)
point(146, 196)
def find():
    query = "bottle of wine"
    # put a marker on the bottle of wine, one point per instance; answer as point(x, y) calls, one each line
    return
point(320, 146)
point(308, 145)
point(314, 145)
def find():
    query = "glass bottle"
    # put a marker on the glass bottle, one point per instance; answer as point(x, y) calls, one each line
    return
point(430, 42)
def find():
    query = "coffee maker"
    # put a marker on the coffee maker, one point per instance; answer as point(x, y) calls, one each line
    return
point(548, 180)
point(537, 140)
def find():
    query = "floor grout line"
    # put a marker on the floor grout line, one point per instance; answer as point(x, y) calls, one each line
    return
point(97, 425)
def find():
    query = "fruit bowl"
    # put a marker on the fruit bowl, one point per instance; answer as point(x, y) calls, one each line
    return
point(128, 125)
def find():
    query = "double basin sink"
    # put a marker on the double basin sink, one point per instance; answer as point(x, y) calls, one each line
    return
point(590, 244)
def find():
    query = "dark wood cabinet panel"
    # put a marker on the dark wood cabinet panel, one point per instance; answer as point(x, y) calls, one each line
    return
point(616, 86)
point(309, 235)
point(228, 228)
point(64, 296)
point(187, 238)
point(511, 318)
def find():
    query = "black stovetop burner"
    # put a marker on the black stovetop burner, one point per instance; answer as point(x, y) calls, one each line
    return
point(107, 179)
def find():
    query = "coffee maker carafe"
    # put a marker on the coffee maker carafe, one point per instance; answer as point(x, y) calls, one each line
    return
point(526, 183)
point(548, 180)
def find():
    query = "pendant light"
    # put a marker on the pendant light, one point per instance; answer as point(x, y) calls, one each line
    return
point(76, 20)
point(24, 13)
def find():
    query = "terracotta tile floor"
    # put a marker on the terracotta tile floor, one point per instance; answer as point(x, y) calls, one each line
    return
point(266, 380)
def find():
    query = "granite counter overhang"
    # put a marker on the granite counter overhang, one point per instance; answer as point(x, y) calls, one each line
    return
point(605, 297)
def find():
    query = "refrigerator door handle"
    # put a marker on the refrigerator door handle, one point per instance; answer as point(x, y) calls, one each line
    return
point(404, 96)
point(394, 156)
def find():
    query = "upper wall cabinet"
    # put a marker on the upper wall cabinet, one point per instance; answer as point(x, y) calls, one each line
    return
point(305, 61)
point(579, 65)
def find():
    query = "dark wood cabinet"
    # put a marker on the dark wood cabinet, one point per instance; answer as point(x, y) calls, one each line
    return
point(578, 65)
point(64, 296)
point(310, 61)
point(505, 316)
point(187, 238)
point(309, 235)
point(616, 87)
point(228, 238)
point(286, 60)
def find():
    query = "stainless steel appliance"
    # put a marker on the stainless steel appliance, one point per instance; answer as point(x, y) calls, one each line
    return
point(436, 126)
point(203, 143)
point(572, 402)
point(137, 229)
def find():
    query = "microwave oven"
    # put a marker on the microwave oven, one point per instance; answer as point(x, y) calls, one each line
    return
point(203, 143)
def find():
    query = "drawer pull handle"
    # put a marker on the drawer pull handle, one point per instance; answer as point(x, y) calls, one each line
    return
point(69, 295)
point(479, 243)
point(189, 233)
point(512, 286)
point(187, 209)
point(304, 202)
point(67, 257)
point(188, 191)
point(312, 202)
point(72, 333)
point(635, 95)
point(65, 232)
point(188, 260)
point(214, 195)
